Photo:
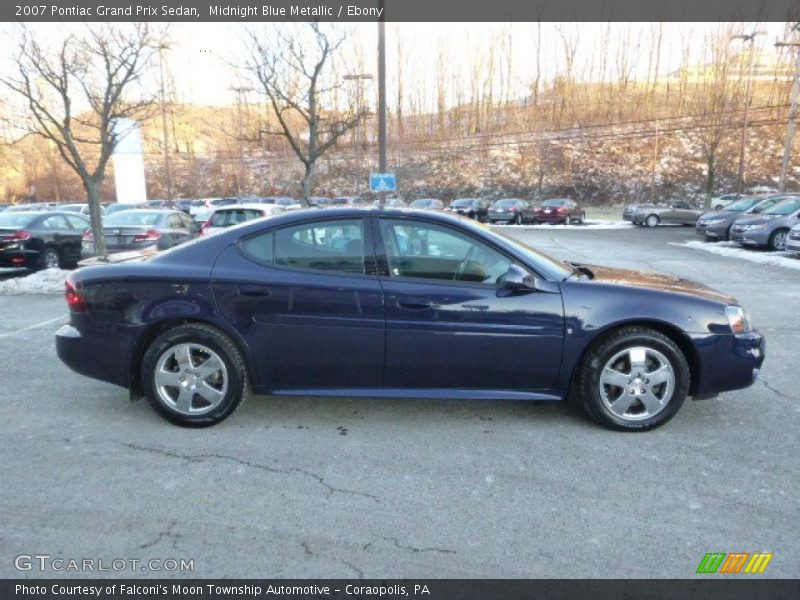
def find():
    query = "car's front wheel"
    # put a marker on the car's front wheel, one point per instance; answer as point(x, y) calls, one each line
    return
point(634, 379)
point(194, 375)
point(652, 221)
point(777, 241)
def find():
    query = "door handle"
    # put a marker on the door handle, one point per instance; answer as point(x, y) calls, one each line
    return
point(254, 291)
point(414, 304)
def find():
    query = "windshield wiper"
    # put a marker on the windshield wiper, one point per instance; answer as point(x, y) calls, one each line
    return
point(579, 269)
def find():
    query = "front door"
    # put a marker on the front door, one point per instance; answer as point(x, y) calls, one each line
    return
point(448, 325)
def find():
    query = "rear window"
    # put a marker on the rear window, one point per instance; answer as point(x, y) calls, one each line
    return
point(12, 219)
point(554, 203)
point(234, 216)
point(508, 202)
point(133, 218)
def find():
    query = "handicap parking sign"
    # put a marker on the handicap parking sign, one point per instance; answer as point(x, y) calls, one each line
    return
point(382, 182)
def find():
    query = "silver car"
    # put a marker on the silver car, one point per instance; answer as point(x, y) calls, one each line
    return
point(676, 212)
point(770, 229)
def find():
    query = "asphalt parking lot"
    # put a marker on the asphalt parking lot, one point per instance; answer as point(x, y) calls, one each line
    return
point(296, 487)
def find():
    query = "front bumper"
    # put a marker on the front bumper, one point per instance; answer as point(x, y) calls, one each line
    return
point(793, 242)
point(712, 232)
point(751, 237)
point(727, 361)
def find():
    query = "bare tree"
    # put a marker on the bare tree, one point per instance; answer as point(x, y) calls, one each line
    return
point(291, 67)
point(77, 93)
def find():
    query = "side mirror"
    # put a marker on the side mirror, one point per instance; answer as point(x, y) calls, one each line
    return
point(516, 279)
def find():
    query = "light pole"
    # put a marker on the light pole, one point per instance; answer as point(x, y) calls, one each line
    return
point(747, 38)
point(787, 147)
point(240, 91)
point(359, 78)
point(382, 96)
point(165, 132)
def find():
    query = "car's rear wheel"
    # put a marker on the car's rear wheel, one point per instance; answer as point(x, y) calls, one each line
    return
point(49, 259)
point(194, 375)
point(634, 379)
point(777, 241)
point(652, 221)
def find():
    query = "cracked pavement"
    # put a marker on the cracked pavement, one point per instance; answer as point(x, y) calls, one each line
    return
point(312, 487)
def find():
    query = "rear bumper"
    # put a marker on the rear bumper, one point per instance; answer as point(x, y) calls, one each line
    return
point(18, 257)
point(550, 218)
point(727, 362)
point(101, 355)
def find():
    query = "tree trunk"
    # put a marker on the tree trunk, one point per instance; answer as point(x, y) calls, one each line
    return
point(96, 215)
point(711, 166)
point(308, 181)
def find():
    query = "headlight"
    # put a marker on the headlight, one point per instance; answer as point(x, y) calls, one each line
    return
point(714, 221)
point(758, 226)
point(738, 319)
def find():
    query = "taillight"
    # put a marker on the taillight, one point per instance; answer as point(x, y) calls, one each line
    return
point(75, 300)
point(21, 235)
point(205, 226)
point(88, 236)
point(561, 210)
point(151, 235)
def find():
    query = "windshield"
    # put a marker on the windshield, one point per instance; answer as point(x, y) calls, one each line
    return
point(786, 207)
point(133, 218)
point(463, 202)
point(553, 203)
point(15, 219)
point(507, 202)
point(544, 264)
point(743, 204)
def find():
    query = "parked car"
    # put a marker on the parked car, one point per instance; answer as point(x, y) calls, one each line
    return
point(40, 240)
point(512, 210)
point(30, 207)
point(143, 229)
point(183, 205)
point(677, 212)
point(285, 202)
point(391, 203)
point(81, 208)
point(763, 189)
point(474, 208)
point(560, 210)
point(432, 306)
point(4, 205)
point(720, 202)
point(428, 204)
point(768, 229)
point(715, 226)
point(627, 212)
point(119, 206)
point(228, 216)
point(198, 205)
point(793, 240)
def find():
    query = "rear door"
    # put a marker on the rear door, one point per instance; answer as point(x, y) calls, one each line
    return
point(448, 325)
point(58, 232)
point(306, 298)
point(78, 225)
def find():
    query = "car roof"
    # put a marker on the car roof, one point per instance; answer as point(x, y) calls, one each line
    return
point(249, 206)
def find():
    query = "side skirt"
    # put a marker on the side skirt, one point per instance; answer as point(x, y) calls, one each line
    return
point(419, 393)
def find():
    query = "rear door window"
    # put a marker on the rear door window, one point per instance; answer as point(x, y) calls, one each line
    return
point(336, 246)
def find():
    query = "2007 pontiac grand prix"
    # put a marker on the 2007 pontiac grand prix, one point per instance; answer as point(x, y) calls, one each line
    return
point(399, 303)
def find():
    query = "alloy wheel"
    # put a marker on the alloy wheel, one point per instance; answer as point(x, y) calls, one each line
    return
point(637, 383)
point(779, 240)
point(191, 379)
point(51, 260)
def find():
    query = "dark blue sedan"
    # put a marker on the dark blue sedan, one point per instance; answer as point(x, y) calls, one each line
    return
point(397, 303)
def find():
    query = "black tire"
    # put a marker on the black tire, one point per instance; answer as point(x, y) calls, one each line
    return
point(213, 339)
point(773, 239)
point(48, 259)
point(588, 377)
point(518, 219)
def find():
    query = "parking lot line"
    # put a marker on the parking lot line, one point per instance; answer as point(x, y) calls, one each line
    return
point(34, 326)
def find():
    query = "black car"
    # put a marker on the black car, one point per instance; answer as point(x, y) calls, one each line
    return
point(41, 240)
point(512, 210)
point(474, 208)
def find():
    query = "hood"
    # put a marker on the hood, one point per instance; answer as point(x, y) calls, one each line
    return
point(655, 281)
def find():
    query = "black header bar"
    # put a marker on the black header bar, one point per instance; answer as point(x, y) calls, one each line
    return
point(192, 11)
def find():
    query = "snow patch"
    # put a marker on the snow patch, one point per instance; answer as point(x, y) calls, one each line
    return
point(586, 225)
point(48, 281)
point(733, 250)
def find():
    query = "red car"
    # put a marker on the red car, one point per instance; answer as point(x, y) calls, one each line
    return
point(560, 210)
